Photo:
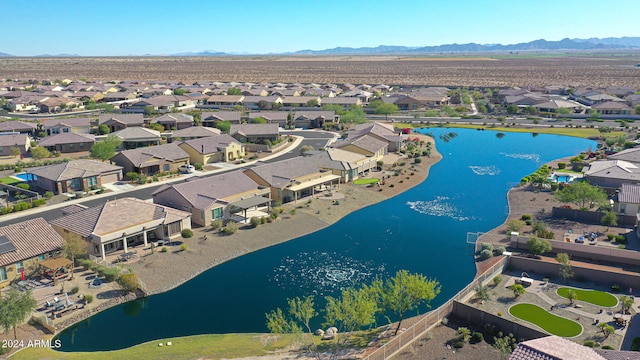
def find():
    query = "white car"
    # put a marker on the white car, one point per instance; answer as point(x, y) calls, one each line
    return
point(186, 169)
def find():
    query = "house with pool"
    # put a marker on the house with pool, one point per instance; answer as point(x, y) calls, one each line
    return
point(122, 224)
point(611, 174)
point(349, 165)
point(76, 175)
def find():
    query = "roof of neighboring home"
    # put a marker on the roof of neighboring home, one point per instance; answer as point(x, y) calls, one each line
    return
point(341, 100)
point(553, 348)
point(128, 119)
point(298, 99)
point(210, 144)
point(139, 156)
point(14, 140)
point(256, 99)
point(630, 155)
point(602, 97)
point(269, 115)
point(315, 114)
point(164, 100)
point(195, 131)
point(374, 128)
point(29, 238)
point(557, 104)
point(73, 169)
point(254, 129)
point(618, 354)
point(71, 209)
point(279, 174)
point(72, 122)
point(174, 118)
point(336, 159)
point(616, 169)
point(611, 105)
point(66, 138)
point(225, 98)
point(221, 115)
point(629, 194)
point(6, 126)
point(203, 192)
point(136, 132)
point(116, 215)
point(366, 142)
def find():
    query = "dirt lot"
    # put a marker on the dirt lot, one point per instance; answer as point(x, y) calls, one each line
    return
point(593, 70)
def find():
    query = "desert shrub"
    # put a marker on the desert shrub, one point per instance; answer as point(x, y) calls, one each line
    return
point(23, 186)
point(88, 298)
point(417, 160)
point(486, 246)
point(132, 176)
point(231, 228)
point(525, 217)
point(255, 221)
point(216, 224)
point(129, 282)
point(274, 214)
point(186, 233)
point(500, 250)
point(621, 239)
point(48, 194)
point(608, 347)
point(197, 166)
point(111, 274)
point(589, 343)
point(263, 220)
point(497, 280)
point(74, 290)
point(85, 263)
point(459, 344)
point(476, 337)
point(562, 165)
point(499, 313)
point(183, 247)
point(39, 202)
point(515, 225)
point(486, 254)
point(610, 237)
point(164, 249)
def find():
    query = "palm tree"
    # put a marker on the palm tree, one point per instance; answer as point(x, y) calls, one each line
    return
point(482, 292)
point(517, 290)
point(572, 295)
point(626, 302)
point(606, 329)
point(464, 333)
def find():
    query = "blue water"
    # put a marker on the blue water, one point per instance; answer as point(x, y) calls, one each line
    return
point(422, 230)
point(562, 178)
point(26, 177)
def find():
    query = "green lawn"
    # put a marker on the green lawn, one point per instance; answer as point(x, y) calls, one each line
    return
point(366, 181)
point(213, 346)
point(595, 297)
point(9, 180)
point(549, 322)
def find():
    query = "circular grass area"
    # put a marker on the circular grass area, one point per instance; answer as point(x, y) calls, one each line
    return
point(366, 181)
point(553, 324)
point(595, 297)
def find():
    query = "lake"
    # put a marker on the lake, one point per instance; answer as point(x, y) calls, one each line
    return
point(423, 230)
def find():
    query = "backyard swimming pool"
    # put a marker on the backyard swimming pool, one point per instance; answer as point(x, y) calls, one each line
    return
point(26, 177)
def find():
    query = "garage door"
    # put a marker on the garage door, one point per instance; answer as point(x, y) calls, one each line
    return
point(108, 179)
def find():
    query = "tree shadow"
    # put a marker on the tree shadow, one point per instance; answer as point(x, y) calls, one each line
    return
point(506, 299)
point(110, 294)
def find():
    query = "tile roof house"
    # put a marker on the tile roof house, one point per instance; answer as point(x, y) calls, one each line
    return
point(272, 117)
point(558, 348)
point(194, 132)
point(349, 165)
point(174, 121)
point(292, 179)
point(121, 224)
point(380, 132)
point(225, 196)
point(261, 102)
point(313, 119)
point(223, 101)
point(68, 142)
point(254, 133)
point(18, 141)
point(611, 174)
point(212, 149)
point(76, 175)
point(117, 122)
point(23, 127)
point(162, 103)
point(631, 155)
point(57, 104)
point(152, 160)
point(22, 245)
point(612, 108)
point(209, 119)
point(365, 145)
point(627, 199)
point(135, 137)
point(68, 125)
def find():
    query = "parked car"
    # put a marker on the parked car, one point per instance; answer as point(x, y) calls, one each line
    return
point(186, 169)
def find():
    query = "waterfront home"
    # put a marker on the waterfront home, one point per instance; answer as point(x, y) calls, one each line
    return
point(349, 165)
point(631, 155)
point(23, 245)
point(210, 119)
point(75, 175)
point(292, 179)
point(255, 133)
point(135, 137)
point(612, 108)
point(174, 121)
point(152, 160)
point(68, 142)
point(193, 132)
point(212, 149)
point(554, 105)
point(627, 199)
point(382, 132)
point(9, 142)
point(229, 196)
point(365, 145)
point(611, 174)
point(121, 224)
point(117, 122)
point(22, 127)
point(68, 125)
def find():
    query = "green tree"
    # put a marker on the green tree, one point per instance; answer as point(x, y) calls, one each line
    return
point(537, 246)
point(156, 127)
point(512, 109)
point(39, 153)
point(179, 91)
point(149, 110)
point(505, 343)
point(312, 103)
point(517, 290)
point(300, 314)
point(582, 194)
point(224, 126)
point(515, 225)
point(15, 306)
point(335, 108)
point(497, 280)
point(259, 120)
point(637, 109)
point(129, 282)
point(73, 246)
point(572, 295)
point(104, 150)
point(405, 292)
point(354, 310)
point(563, 111)
point(103, 129)
point(626, 303)
point(355, 115)
point(15, 151)
point(464, 333)
point(606, 329)
point(482, 292)
point(563, 258)
point(264, 105)
point(234, 91)
point(387, 109)
point(291, 120)
point(609, 219)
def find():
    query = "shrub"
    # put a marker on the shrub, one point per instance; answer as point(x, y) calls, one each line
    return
point(500, 250)
point(88, 298)
point(589, 343)
point(263, 220)
point(164, 249)
point(476, 337)
point(499, 313)
point(497, 280)
point(459, 344)
point(486, 254)
point(515, 225)
point(74, 290)
point(525, 217)
point(183, 247)
point(621, 239)
point(486, 246)
point(23, 186)
point(111, 274)
point(417, 160)
point(608, 347)
point(48, 194)
point(216, 224)
point(562, 165)
point(186, 233)
point(622, 246)
point(39, 202)
point(129, 282)
point(610, 237)
point(197, 166)
point(274, 214)
point(132, 176)
point(231, 228)
point(85, 263)
point(255, 221)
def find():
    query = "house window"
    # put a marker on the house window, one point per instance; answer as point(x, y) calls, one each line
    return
point(166, 167)
point(75, 183)
point(3, 274)
point(216, 213)
point(70, 146)
point(81, 145)
point(65, 130)
point(623, 207)
point(173, 228)
point(92, 181)
point(19, 266)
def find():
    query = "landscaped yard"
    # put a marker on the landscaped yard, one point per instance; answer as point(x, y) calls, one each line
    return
point(9, 180)
point(366, 181)
point(595, 297)
point(549, 322)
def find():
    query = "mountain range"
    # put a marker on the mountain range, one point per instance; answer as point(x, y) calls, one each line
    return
point(536, 45)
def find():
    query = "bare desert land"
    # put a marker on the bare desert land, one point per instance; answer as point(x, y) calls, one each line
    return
point(596, 70)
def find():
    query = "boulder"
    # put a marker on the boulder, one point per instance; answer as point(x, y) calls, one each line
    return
point(319, 332)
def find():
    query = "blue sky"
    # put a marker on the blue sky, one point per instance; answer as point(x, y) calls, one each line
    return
point(130, 27)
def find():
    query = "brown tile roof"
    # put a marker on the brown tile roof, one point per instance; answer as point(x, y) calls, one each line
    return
point(67, 138)
point(116, 215)
point(282, 173)
point(30, 238)
point(19, 140)
point(195, 131)
point(171, 152)
point(221, 115)
point(73, 169)
point(71, 122)
point(128, 119)
point(174, 118)
point(137, 133)
point(211, 144)
point(254, 129)
point(6, 126)
point(552, 348)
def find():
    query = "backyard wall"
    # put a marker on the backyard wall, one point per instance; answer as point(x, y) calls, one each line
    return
point(589, 217)
point(479, 316)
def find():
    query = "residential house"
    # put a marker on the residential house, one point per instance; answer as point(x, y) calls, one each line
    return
point(87, 96)
point(612, 108)
point(621, 91)
point(344, 102)
point(255, 92)
point(631, 155)
point(255, 133)
point(75, 175)
point(380, 131)
point(161, 104)
point(627, 199)
point(8, 142)
point(68, 142)
point(223, 101)
point(228, 196)
point(262, 102)
point(292, 179)
point(347, 164)
point(120, 96)
point(555, 104)
point(121, 224)
point(135, 137)
point(68, 125)
point(117, 122)
point(174, 121)
point(366, 145)
point(211, 149)
point(300, 101)
point(611, 174)
point(29, 102)
point(57, 104)
point(598, 98)
point(314, 119)
point(209, 119)
point(193, 132)
point(272, 117)
point(364, 96)
point(557, 348)
point(152, 160)
point(22, 127)
point(23, 245)
point(633, 101)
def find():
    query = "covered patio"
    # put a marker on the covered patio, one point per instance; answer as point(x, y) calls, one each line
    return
point(56, 268)
point(245, 205)
point(298, 190)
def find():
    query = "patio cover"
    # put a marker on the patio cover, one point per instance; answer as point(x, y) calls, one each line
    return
point(313, 182)
point(55, 264)
point(250, 202)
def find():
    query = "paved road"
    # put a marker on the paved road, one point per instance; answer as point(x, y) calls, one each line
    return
point(317, 139)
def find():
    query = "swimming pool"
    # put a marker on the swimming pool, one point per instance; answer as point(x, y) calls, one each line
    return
point(26, 177)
